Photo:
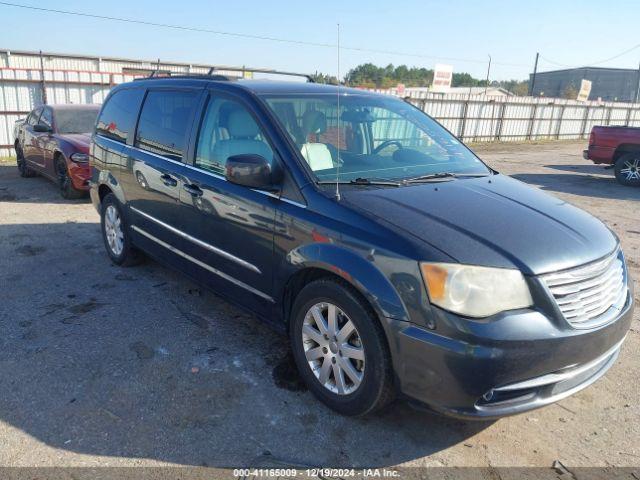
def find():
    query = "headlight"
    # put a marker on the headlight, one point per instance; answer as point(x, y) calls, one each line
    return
point(80, 157)
point(475, 291)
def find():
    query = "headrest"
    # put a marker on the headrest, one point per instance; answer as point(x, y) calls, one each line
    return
point(242, 125)
point(314, 122)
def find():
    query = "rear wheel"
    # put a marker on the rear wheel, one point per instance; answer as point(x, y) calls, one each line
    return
point(627, 169)
point(340, 349)
point(67, 190)
point(24, 170)
point(115, 233)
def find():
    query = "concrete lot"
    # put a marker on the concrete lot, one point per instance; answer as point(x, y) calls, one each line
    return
point(101, 365)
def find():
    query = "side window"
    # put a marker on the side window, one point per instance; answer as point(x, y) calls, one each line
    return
point(164, 122)
point(118, 116)
point(228, 129)
point(33, 116)
point(46, 118)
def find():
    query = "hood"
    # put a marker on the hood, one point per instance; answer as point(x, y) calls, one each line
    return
point(78, 140)
point(491, 221)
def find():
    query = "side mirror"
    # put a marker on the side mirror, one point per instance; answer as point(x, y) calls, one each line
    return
point(253, 171)
point(41, 128)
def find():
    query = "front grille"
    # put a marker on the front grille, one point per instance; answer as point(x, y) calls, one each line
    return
point(588, 296)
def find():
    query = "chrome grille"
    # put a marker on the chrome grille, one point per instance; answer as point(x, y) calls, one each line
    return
point(590, 295)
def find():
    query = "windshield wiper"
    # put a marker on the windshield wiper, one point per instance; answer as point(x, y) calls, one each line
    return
point(360, 181)
point(436, 176)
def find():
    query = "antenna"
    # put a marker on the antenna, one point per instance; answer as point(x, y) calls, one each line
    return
point(338, 117)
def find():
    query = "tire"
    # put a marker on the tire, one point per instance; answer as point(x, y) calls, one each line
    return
point(116, 234)
point(367, 346)
point(24, 170)
point(67, 190)
point(627, 169)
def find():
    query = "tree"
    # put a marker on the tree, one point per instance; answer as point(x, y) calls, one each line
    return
point(322, 78)
point(369, 75)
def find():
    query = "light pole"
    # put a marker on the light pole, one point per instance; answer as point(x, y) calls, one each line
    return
point(488, 71)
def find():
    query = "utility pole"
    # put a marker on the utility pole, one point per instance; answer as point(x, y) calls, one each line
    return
point(488, 71)
point(638, 88)
point(533, 77)
point(42, 83)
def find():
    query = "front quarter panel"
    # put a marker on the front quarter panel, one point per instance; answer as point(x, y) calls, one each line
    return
point(382, 265)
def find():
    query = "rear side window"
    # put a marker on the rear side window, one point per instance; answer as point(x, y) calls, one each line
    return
point(164, 121)
point(118, 116)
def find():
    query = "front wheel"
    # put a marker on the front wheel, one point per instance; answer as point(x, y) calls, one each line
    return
point(116, 236)
point(67, 190)
point(340, 349)
point(627, 169)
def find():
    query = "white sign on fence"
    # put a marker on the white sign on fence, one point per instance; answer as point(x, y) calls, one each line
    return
point(442, 77)
point(585, 90)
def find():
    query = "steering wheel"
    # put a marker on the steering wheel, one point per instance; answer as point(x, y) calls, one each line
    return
point(385, 144)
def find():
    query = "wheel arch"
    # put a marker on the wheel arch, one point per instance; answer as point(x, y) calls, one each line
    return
point(330, 261)
point(57, 154)
point(625, 148)
point(103, 191)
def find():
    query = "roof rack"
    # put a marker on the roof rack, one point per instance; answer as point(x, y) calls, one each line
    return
point(154, 76)
point(212, 75)
point(309, 78)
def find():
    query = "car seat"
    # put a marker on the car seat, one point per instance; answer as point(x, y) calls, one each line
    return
point(242, 130)
point(318, 155)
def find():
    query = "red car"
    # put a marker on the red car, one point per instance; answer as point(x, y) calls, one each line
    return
point(618, 147)
point(53, 141)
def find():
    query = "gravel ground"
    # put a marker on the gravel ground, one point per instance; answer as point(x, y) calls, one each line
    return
point(101, 365)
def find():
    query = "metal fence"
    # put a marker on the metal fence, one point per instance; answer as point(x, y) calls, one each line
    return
point(480, 118)
point(28, 79)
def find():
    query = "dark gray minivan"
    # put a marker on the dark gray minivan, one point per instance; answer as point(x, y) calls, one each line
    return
point(396, 260)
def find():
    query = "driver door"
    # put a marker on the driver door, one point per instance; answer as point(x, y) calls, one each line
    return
point(229, 228)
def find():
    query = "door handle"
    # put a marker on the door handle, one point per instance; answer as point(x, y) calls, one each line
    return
point(168, 180)
point(194, 190)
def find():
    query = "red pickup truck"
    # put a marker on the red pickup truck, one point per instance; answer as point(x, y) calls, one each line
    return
point(619, 147)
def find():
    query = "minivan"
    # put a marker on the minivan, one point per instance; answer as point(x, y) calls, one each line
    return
point(398, 263)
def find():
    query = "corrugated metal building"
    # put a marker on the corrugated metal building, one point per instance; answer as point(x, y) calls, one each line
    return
point(27, 78)
point(609, 84)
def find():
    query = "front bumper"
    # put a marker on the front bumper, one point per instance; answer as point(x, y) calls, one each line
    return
point(517, 362)
point(80, 175)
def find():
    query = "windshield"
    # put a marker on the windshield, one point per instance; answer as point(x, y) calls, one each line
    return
point(76, 121)
point(370, 137)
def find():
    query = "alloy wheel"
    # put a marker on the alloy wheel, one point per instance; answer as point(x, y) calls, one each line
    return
point(333, 348)
point(63, 176)
point(631, 169)
point(113, 230)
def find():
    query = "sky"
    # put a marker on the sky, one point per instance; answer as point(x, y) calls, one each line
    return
point(420, 33)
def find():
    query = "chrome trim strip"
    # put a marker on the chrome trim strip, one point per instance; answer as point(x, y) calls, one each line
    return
point(293, 202)
point(272, 195)
point(202, 264)
point(562, 375)
point(199, 242)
